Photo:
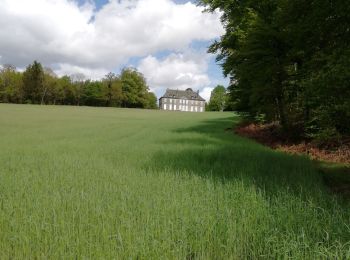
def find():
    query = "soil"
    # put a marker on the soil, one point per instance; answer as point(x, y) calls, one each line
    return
point(268, 134)
point(332, 162)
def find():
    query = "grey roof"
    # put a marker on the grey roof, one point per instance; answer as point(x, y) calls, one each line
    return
point(183, 94)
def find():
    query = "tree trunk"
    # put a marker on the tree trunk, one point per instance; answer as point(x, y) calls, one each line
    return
point(279, 95)
point(43, 97)
point(280, 108)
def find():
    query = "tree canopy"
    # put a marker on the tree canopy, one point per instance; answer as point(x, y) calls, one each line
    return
point(288, 60)
point(218, 98)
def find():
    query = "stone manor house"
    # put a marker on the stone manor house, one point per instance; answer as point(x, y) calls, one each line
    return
point(182, 100)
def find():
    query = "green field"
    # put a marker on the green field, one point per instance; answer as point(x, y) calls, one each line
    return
point(101, 183)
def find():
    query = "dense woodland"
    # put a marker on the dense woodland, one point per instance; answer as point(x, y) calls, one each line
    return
point(289, 62)
point(38, 85)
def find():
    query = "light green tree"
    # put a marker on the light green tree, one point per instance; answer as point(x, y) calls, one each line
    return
point(218, 98)
point(112, 90)
point(134, 88)
point(11, 85)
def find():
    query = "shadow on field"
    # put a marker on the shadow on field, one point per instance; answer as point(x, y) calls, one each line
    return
point(207, 150)
point(296, 197)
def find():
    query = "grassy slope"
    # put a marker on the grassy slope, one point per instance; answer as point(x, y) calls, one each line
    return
point(103, 182)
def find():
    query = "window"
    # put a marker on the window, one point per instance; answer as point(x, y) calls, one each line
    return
point(164, 106)
point(174, 107)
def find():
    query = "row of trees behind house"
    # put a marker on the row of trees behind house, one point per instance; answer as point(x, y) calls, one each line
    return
point(38, 85)
point(219, 99)
point(289, 62)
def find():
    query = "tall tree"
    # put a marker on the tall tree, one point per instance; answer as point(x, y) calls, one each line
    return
point(134, 88)
point(11, 85)
point(151, 101)
point(113, 90)
point(33, 83)
point(50, 87)
point(78, 80)
point(93, 94)
point(109, 78)
point(217, 100)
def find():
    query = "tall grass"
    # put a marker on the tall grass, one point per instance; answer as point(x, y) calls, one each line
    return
point(79, 182)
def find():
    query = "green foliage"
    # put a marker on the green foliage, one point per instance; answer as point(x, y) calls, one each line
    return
point(217, 100)
point(33, 83)
point(11, 86)
point(41, 85)
point(288, 60)
point(93, 94)
point(134, 88)
point(97, 183)
point(151, 100)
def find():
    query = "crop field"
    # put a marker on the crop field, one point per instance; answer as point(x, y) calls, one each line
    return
point(102, 183)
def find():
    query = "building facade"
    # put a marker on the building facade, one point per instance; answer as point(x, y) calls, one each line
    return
point(182, 100)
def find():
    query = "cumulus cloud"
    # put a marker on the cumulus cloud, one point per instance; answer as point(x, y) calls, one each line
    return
point(177, 71)
point(66, 35)
point(69, 69)
point(206, 92)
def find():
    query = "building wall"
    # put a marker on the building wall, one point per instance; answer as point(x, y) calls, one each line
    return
point(176, 104)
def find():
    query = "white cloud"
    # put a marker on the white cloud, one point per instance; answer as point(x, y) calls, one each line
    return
point(63, 34)
point(176, 71)
point(206, 92)
point(68, 69)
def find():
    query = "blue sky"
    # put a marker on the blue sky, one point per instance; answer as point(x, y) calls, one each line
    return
point(165, 40)
point(100, 3)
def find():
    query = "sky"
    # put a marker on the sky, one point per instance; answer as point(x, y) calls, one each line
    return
point(166, 40)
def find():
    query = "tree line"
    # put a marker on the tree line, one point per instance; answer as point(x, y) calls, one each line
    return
point(219, 100)
point(38, 85)
point(289, 62)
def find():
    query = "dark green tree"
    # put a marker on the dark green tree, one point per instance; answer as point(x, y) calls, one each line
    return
point(93, 94)
point(33, 83)
point(288, 60)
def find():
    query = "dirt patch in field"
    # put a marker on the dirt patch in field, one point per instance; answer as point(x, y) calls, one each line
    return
point(269, 135)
